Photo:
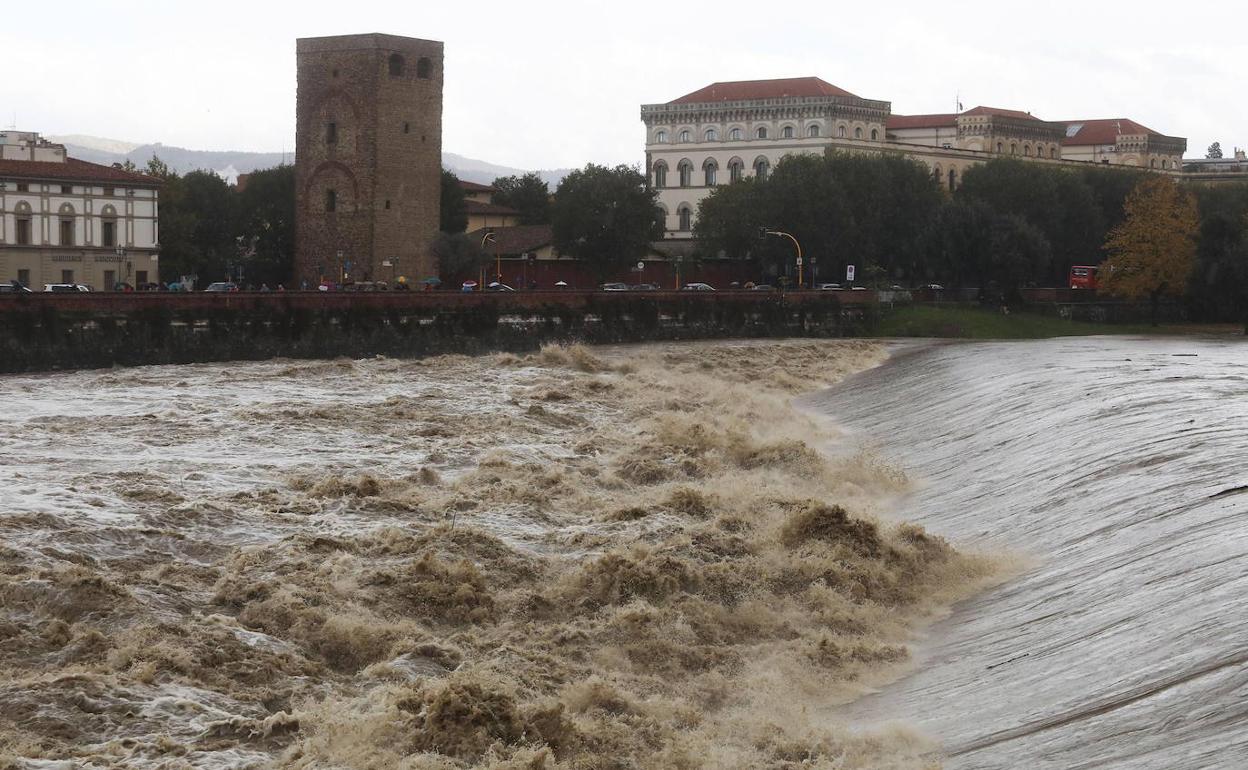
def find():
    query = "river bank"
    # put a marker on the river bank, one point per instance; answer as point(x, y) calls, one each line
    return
point(572, 559)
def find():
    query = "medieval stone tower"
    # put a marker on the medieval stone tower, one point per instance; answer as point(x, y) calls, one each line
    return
point(368, 157)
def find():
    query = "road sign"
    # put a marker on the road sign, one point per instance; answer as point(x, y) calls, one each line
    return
point(799, 261)
point(641, 265)
point(849, 272)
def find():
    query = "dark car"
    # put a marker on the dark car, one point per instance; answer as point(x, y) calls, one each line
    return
point(614, 287)
point(222, 286)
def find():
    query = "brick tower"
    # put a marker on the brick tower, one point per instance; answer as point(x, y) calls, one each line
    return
point(368, 157)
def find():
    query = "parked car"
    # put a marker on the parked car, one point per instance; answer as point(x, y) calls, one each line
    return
point(644, 287)
point(829, 287)
point(496, 286)
point(697, 287)
point(60, 287)
point(13, 287)
point(933, 287)
point(222, 286)
point(762, 287)
point(614, 287)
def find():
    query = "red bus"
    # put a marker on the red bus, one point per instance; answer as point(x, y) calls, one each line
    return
point(1083, 277)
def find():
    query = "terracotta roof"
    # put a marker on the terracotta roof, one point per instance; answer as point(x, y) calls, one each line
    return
point(473, 187)
point(1001, 113)
point(72, 170)
point(516, 239)
point(480, 207)
point(922, 121)
point(750, 90)
point(1102, 131)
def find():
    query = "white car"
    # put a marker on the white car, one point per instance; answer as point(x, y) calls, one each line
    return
point(698, 287)
point(59, 287)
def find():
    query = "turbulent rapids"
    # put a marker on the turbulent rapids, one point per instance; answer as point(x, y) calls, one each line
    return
point(637, 557)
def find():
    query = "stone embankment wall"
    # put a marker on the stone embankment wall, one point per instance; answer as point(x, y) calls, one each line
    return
point(74, 331)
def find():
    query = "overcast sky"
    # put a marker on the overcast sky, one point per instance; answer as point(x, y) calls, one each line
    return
point(556, 84)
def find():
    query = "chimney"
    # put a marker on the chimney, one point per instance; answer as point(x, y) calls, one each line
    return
point(1240, 155)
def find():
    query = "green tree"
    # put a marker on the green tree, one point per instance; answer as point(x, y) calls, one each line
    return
point(1218, 290)
point(454, 216)
point(1215, 150)
point(527, 194)
point(1152, 252)
point(266, 225)
point(605, 216)
point(459, 255)
point(961, 244)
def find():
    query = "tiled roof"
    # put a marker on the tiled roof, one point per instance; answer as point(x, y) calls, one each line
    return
point(72, 170)
point(750, 90)
point(922, 121)
point(997, 111)
point(481, 207)
point(516, 239)
point(1102, 131)
point(473, 187)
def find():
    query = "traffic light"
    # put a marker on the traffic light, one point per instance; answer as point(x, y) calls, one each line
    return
point(762, 233)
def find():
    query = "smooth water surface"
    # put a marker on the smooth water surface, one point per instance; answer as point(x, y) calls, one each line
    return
point(1117, 470)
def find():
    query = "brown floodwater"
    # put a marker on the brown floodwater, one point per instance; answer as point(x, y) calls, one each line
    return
point(628, 558)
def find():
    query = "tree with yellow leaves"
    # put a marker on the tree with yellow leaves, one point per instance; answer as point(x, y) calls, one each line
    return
point(1153, 251)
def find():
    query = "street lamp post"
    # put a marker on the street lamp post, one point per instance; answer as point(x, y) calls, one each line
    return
point(764, 232)
point(498, 265)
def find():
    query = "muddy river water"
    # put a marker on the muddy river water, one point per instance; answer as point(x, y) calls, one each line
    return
point(632, 558)
point(1116, 470)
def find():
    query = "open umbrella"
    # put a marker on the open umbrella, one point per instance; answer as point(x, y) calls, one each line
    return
point(434, 281)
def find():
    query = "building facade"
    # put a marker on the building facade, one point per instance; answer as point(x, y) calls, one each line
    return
point(730, 131)
point(368, 156)
point(63, 220)
point(481, 211)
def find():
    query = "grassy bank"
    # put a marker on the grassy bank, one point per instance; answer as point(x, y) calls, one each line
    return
point(977, 323)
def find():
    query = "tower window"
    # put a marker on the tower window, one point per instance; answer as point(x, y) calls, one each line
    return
point(331, 133)
point(109, 234)
point(387, 205)
point(331, 200)
point(67, 232)
point(396, 65)
point(333, 73)
point(407, 127)
point(424, 68)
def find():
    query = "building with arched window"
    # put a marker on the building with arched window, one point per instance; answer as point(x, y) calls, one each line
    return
point(768, 119)
point(368, 156)
point(63, 220)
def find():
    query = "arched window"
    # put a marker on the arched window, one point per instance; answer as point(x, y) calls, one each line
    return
point(660, 174)
point(735, 134)
point(1152, 163)
point(1000, 148)
point(708, 172)
point(66, 215)
point(840, 131)
point(812, 130)
point(424, 68)
point(686, 218)
point(684, 136)
point(736, 169)
point(875, 135)
point(936, 174)
point(660, 136)
point(108, 226)
point(1013, 148)
point(761, 133)
point(22, 233)
point(396, 65)
point(953, 180)
point(685, 168)
point(857, 133)
point(1027, 150)
point(761, 167)
point(1053, 152)
point(1163, 164)
point(787, 132)
point(711, 135)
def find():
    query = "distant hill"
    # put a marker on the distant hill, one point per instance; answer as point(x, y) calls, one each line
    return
point(229, 164)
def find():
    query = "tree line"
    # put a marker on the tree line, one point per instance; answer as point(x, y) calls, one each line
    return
point(1009, 224)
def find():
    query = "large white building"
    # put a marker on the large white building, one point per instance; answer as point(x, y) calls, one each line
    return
point(729, 131)
point(63, 220)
